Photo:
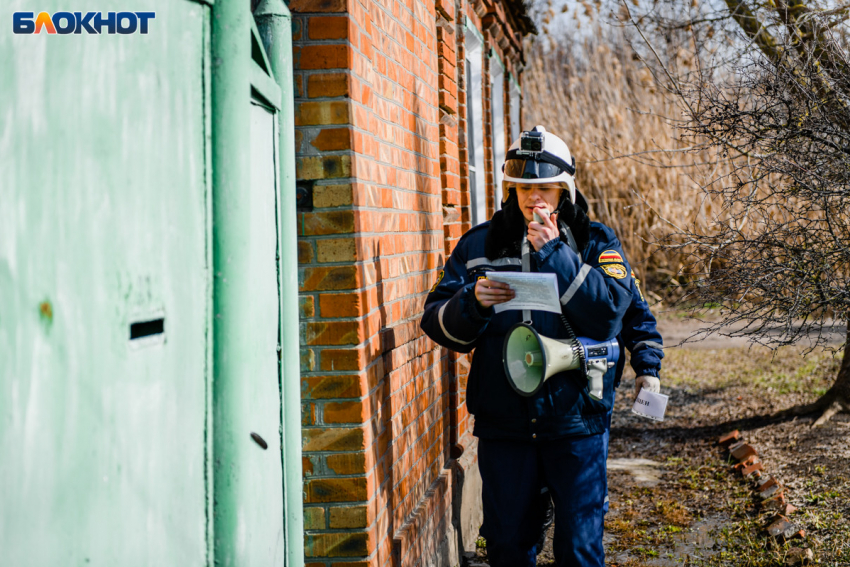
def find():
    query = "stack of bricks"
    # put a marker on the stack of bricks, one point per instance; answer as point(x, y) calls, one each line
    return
point(767, 489)
point(379, 121)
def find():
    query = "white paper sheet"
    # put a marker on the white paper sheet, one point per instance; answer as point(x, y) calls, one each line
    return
point(651, 405)
point(534, 291)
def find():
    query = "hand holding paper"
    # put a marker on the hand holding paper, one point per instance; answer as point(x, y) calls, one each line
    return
point(651, 405)
point(489, 292)
point(534, 291)
point(650, 383)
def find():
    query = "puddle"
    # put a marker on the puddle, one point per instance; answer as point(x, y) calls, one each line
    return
point(643, 470)
point(696, 542)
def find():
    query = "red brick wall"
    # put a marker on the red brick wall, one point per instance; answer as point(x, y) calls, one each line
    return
point(500, 35)
point(457, 217)
point(378, 112)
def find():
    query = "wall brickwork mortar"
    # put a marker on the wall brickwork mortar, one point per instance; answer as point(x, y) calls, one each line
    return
point(379, 141)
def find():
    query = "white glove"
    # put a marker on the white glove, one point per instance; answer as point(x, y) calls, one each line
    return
point(648, 383)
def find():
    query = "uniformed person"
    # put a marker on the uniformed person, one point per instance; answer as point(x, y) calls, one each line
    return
point(641, 337)
point(558, 436)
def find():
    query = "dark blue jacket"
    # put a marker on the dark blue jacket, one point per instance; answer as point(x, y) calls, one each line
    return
point(641, 336)
point(598, 294)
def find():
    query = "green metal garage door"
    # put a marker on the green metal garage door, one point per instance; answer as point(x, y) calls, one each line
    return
point(105, 293)
point(146, 256)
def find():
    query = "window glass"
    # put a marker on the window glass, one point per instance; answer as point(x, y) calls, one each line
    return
point(497, 104)
point(515, 102)
point(475, 125)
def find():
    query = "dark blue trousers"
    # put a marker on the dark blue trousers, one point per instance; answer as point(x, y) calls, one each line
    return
point(512, 473)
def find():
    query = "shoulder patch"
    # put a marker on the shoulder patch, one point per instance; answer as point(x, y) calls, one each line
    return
point(439, 279)
point(615, 270)
point(610, 256)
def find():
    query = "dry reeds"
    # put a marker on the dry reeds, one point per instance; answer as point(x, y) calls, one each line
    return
point(637, 175)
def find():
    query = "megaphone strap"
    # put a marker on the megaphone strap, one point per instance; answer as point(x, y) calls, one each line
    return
point(526, 314)
point(526, 267)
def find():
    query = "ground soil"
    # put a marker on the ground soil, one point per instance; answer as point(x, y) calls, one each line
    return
point(674, 499)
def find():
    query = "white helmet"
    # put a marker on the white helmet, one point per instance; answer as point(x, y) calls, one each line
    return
point(539, 157)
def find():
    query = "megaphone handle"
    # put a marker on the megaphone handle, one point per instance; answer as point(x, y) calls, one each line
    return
point(596, 369)
point(526, 267)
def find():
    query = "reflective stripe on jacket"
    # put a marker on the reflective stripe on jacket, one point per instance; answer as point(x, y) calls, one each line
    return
point(596, 291)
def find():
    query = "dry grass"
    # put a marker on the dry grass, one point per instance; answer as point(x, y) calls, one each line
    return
point(606, 104)
point(673, 513)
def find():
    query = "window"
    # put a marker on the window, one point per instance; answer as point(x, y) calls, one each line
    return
point(475, 124)
point(497, 104)
point(515, 102)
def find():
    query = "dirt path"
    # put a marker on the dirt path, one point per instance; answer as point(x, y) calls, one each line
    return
point(677, 330)
point(674, 500)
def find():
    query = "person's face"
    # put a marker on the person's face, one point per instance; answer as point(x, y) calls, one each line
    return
point(532, 196)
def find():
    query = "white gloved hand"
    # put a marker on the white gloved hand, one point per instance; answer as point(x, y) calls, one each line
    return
point(648, 383)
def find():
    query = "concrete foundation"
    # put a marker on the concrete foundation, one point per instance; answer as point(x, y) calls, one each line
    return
point(468, 513)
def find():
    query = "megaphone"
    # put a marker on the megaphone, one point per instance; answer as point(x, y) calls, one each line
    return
point(530, 359)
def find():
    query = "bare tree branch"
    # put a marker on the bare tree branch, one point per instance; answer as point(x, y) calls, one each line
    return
point(777, 253)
